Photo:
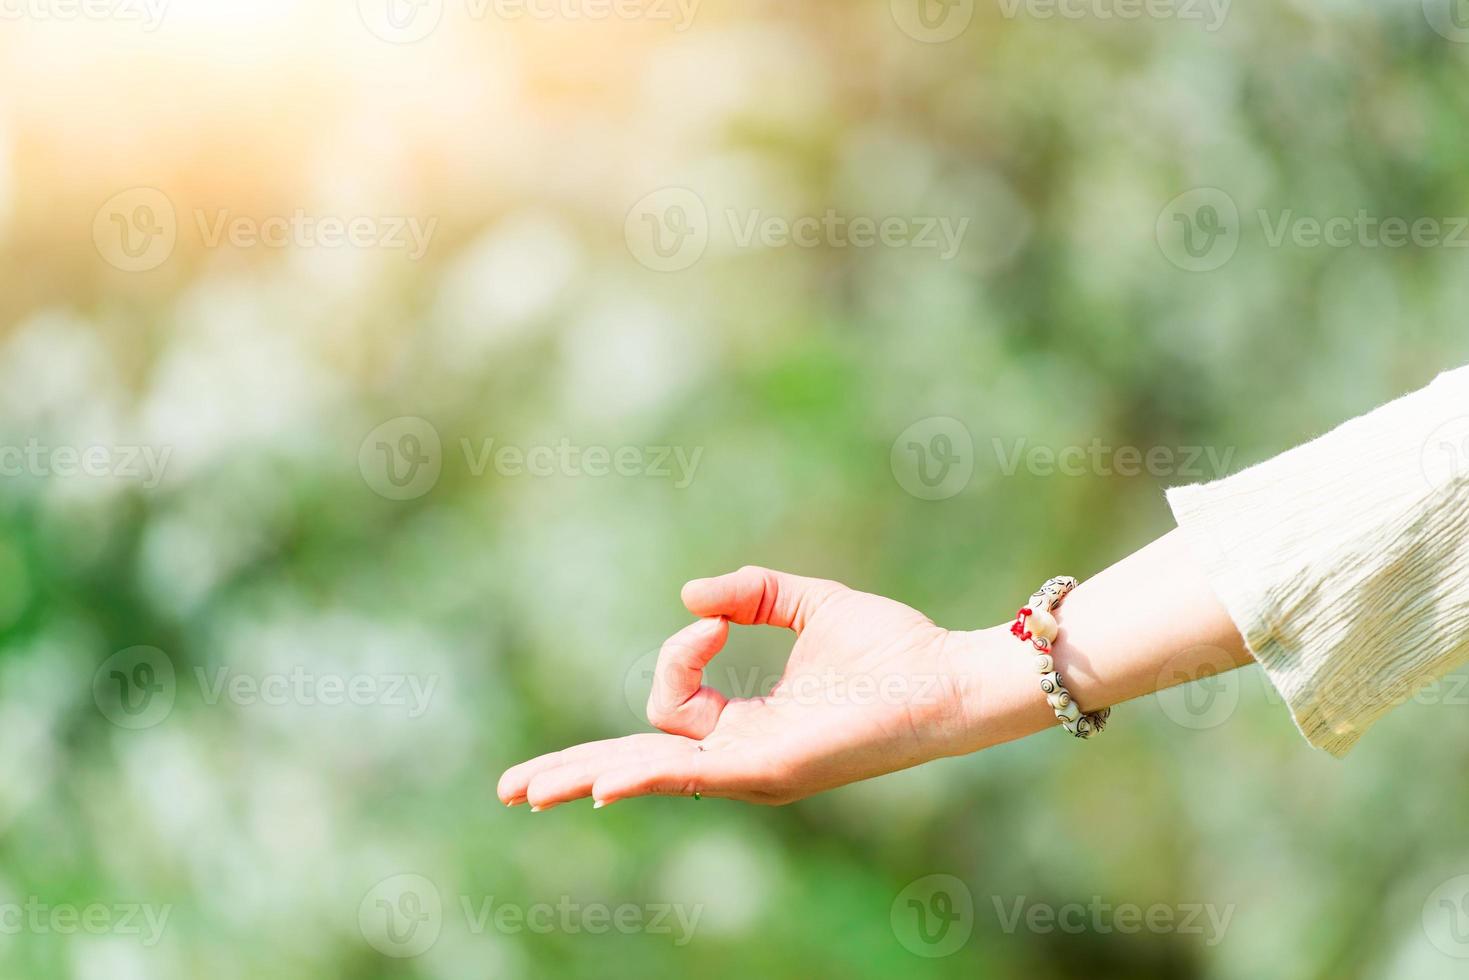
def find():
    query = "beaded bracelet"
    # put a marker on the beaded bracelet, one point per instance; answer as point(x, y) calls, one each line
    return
point(1036, 624)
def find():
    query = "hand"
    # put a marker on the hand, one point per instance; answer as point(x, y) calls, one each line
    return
point(871, 687)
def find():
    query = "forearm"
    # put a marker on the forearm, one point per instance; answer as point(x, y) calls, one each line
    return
point(1148, 622)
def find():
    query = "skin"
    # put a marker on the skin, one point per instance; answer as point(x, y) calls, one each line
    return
point(873, 686)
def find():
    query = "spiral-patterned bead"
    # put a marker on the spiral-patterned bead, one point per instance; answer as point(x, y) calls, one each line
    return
point(1036, 624)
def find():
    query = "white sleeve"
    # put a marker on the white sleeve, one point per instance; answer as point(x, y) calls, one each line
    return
point(1345, 562)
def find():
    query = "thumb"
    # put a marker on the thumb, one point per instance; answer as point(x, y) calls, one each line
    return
point(759, 596)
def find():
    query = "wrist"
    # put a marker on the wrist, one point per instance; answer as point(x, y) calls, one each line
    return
point(998, 697)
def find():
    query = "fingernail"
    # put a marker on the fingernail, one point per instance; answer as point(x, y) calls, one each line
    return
point(597, 804)
point(535, 809)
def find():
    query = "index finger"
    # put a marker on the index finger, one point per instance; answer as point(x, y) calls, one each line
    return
point(679, 702)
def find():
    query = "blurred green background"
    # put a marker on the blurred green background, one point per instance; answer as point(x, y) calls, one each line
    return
point(586, 182)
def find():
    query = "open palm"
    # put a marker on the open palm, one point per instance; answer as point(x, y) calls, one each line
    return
point(870, 687)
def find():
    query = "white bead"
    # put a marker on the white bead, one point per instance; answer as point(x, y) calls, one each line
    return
point(1044, 664)
point(1042, 625)
point(1070, 712)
